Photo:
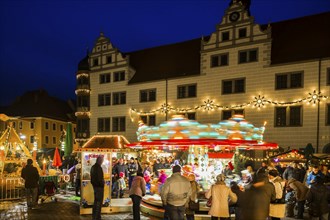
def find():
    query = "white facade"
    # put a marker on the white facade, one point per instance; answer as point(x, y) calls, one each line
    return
point(259, 76)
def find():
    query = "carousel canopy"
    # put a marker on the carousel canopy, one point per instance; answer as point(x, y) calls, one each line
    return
point(13, 153)
point(105, 143)
point(180, 133)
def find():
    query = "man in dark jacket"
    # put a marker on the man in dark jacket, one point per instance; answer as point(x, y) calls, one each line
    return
point(31, 176)
point(97, 181)
point(256, 199)
point(132, 170)
point(317, 198)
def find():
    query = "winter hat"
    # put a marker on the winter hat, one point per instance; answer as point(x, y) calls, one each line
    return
point(176, 169)
point(273, 173)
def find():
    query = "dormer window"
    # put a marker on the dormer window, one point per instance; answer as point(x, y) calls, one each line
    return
point(95, 62)
point(109, 59)
point(242, 33)
point(225, 36)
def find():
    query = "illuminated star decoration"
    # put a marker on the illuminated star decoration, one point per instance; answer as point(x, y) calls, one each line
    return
point(259, 101)
point(165, 108)
point(208, 105)
point(314, 97)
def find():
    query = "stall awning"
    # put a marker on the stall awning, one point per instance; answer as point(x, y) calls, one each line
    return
point(105, 143)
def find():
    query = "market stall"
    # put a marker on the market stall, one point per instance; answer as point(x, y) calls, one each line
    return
point(105, 146)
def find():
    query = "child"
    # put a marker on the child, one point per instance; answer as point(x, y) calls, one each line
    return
point(146, 177)
point(290, 201)
point(121, 185)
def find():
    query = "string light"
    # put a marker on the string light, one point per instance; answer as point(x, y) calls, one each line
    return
point(82, 91)
point(80, 75)
point(258, 101)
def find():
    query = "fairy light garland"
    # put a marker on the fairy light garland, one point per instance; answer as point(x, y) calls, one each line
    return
point(258, 102)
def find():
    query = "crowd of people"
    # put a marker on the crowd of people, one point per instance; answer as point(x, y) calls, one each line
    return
point(270, 192)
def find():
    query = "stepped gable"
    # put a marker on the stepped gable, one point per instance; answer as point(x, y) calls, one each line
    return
point(38, 103)
point(169, 61)
point(300, 39)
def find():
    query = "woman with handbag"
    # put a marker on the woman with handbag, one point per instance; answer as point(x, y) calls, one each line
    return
point(221, 195)
point(193, 203)
point(277, 208)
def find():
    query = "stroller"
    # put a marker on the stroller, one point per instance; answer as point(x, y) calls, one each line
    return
point(49, 192)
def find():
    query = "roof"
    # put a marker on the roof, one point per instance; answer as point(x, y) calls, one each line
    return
point(169, 61)
point(300, 39)
point(38, 103)
point(83, 64)
point(105, 142)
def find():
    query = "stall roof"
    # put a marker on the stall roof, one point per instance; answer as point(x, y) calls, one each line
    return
point(105, 143)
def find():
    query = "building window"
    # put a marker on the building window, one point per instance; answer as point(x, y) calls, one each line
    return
point(105, 78)
point(14, 124)
point(233, 86)
point(46, 125)
point(54, 127)
point(227, 114)
point(103, 124)
point(32, 124)
point(83, 101)
point(119, 76)
point(328, 76)
point(119, 98)
point(225, 36)
point(289, 80)
point(46, 139)
point(328, 115)
point(83, 126)
point(288, 116)
point(187, 91)
point(20, 125)
point(118, 124)
point(242, 33)
point(104, 99)
point(31, 139)
point(219, 60)
point(247, 56)
point(109, 59)
point(148, 95)
point(188, 115)
point(95, 61)
point(61, 127)
point(54, 140)
point(82, 81)
point(149, 120)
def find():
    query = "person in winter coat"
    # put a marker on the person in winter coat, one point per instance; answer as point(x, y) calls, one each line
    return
point(31, 176)
point(236, 207)
point(220, 194)
point(277, 208)
point(311, 176)
point(257, 197)
point(175, 194)
point(317, 198)
point(97, 180)
point(194, 190)
point(132, 170)
point(300, 192)
point(137, 191)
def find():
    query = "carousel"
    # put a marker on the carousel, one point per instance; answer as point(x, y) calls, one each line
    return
point(13, 157)
point(208, 147)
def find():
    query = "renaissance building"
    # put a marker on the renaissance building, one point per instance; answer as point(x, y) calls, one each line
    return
point(277, 73)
